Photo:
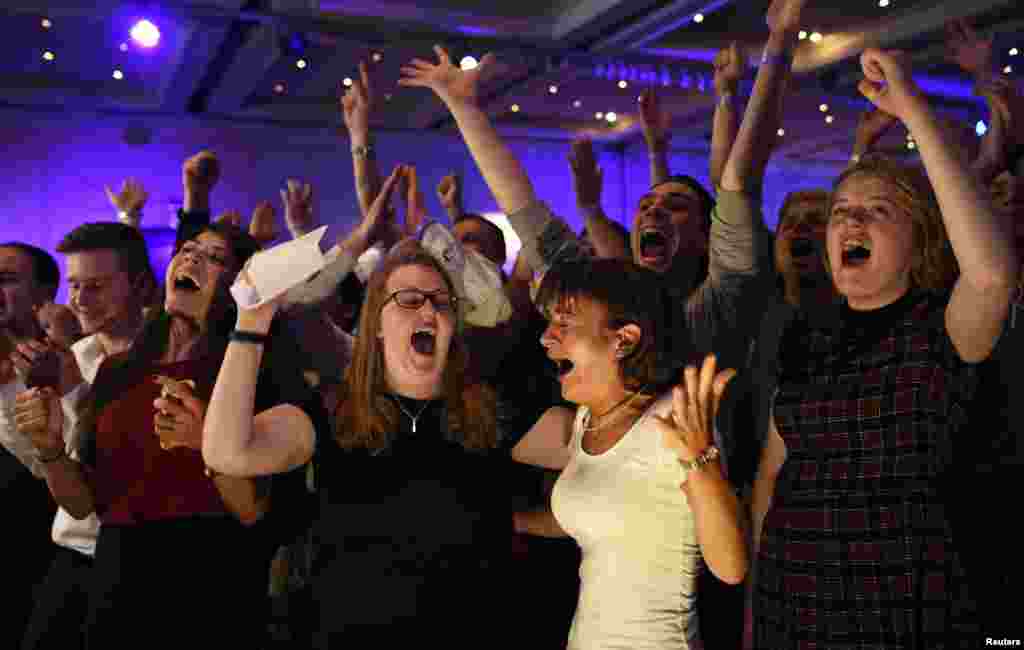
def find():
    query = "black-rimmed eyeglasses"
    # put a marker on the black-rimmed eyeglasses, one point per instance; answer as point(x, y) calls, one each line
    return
point(414, 299)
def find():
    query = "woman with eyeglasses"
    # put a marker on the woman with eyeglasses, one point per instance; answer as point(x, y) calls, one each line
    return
point(410, 518)
point(182, 549)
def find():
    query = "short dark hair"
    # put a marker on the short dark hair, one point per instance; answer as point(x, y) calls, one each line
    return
point(45, 271)
point(631, 294)
point(495, 230)
point(707, 201)
point(126, 241)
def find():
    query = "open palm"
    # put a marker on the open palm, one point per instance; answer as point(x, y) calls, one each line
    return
point(448, 81)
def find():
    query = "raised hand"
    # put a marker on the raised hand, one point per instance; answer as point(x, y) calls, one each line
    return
point(130, 199)
point(969, 51)
point(357, 104)
point(201, 172)
point(993, 154)
point(689, 429)
point(872, 126)
point(415, 207)
point(730, 65)
point(449, 193)
point(38, 416)
point(298, 207)
point(784, 15)
point(263, 225)
point(178, 421)
point(44, 364)
point(587, 176)
point(887, 82)
point(378, 218)
point(655, 122)
point(449, 82)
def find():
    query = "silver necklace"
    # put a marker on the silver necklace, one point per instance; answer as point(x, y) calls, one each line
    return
point(398, 400)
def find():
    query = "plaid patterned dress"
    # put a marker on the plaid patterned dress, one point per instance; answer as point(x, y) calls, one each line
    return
point(856, 550)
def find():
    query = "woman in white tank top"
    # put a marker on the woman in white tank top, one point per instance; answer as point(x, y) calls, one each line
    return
point(641, 490)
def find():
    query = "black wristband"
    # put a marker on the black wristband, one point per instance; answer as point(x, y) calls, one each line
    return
point(243, 336)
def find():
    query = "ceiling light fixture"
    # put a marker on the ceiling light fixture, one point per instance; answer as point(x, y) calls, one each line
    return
point(816, 37)
point(468, 63)
point(623, 84)
point(698, 18)
point(981, 128)
point(123, 47)
point(514, 108)
point(599, 115)
point(781, 132)
point(377, 56)
point(577, 104)
point(118, 75)
point(301, 64)
point(911, 145)
point(1008, 69)
point(48, 56)
point(823, 108)
point(829, 119)
point(802, 35)
point(46, 23)
point(145, 33)
point(553, 89)
point(883, 3)
point(611, 117)
point(347, 82)
point(1014, 51)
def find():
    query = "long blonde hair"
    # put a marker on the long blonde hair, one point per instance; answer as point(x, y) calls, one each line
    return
point(933, 267)
point(365, 415)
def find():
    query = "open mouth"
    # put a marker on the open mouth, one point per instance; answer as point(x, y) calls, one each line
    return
point(563, 367)
point(801, 247)
point(856, 252)
point(653, 244)
point(424, 342)
point(185, 283)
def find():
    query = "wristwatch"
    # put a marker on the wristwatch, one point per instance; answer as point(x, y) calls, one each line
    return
point(708, 455)
point(363, 150)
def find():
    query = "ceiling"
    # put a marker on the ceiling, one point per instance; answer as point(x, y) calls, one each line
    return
point(237, 60)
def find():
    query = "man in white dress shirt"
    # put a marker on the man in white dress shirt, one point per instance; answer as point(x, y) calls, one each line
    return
point(109, 282)
point(29, 277)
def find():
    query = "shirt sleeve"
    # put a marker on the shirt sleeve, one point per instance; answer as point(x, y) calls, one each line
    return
point(326, 282)
point(546, 239)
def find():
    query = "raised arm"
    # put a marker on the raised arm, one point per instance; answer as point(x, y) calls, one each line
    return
point(656, 125)
point(129, 201)
point(356, 107)
point(502, 171)
point(745, 168)
point(730, 65)
point(588, 180)
point(994, 153)
point(982, 242)
point(872, 126)
point(449, 193)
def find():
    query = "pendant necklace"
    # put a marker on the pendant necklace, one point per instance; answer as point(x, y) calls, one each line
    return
point(398, 400)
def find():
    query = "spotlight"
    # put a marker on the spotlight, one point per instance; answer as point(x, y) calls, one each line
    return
point(553, 89)
point(611, 117)
point(911, 145)
point(301, 64)
point(468, 63)
point(1008, 69)
point(623, 84)
point(377, 56)
point(118, 75)
point(123, 47)
point(815, 37)
point(981, 128)
point(279, 88)
point(347, 82)
point(1014, 51)
point(698, 18)
point(823, 108)
point(514, 108)
point(883, 3)
point(46, 23)
point(599, 115)
point(577, 104)
point(829, 119)
point(48, 56)
point(802, 35)
point(145, 33)
point(781, 132)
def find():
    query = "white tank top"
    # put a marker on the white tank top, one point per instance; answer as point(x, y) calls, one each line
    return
point(636, 531)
